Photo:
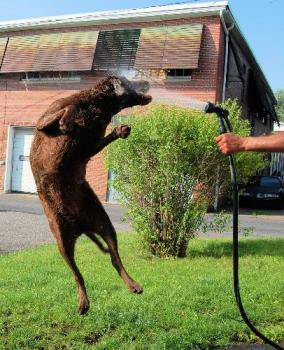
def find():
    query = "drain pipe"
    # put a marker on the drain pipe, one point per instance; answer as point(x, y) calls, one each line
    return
point(227, 33)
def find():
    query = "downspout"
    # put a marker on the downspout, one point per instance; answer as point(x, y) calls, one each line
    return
point(227, 33)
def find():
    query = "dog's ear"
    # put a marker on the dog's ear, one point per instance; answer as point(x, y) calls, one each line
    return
point(65, 118)
point(49, 119)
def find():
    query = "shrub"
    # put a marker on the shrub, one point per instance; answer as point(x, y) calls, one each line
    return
point(166, 172)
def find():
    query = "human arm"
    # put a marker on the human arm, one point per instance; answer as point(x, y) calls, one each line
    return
point(231, 143)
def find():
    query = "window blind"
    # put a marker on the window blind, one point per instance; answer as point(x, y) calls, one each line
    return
point(20, 53)
point(76, 51)
point(116, 49)
point(72, 51)
point(169, 47)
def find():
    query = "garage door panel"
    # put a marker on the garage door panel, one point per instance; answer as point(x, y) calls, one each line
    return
point(22, 177)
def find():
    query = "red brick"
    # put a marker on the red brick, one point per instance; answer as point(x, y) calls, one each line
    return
point(22, 104)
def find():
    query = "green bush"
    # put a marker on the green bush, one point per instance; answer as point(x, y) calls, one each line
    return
point(166, 172)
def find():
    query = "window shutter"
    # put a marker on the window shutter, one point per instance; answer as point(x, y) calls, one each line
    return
point(45, 57)
point(151, 48)
point(73, 51)
point(182, 46)
point(20, 54)
point(116, 49)
point(76, 51)
point(169, 47)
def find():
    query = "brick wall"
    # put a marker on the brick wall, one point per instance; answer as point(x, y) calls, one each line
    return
point(22, 104)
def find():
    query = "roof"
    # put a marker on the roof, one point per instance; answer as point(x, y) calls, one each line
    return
point(117, 16)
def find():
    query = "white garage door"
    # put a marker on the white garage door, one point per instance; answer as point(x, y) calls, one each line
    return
point(22, 177)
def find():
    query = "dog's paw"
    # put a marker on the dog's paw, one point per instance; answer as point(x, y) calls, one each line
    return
point(135, 288)
point(122, 131)
point(83, 307)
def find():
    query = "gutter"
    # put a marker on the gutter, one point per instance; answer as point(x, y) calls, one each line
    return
point(155, 13)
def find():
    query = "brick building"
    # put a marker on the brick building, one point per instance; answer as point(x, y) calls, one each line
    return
point(196, 48)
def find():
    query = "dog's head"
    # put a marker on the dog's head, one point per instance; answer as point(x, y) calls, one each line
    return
point(113, 94)
point(95, 107)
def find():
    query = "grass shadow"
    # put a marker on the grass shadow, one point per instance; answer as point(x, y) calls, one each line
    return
point(248, 247)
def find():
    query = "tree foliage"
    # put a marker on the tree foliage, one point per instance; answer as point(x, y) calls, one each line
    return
point(166, 172)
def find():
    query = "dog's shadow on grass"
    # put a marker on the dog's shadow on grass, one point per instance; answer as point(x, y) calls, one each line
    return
point(250, 247)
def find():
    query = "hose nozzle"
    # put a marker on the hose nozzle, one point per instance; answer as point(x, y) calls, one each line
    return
point(211, 108)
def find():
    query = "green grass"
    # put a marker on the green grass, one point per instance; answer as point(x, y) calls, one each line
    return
point(187, 303)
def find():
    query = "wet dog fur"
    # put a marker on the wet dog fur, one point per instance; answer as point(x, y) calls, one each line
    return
point(68, 134)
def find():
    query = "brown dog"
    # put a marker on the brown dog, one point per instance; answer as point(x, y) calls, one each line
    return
point(70, 132)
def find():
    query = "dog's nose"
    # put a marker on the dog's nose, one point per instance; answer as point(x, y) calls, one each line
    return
point(145, 100)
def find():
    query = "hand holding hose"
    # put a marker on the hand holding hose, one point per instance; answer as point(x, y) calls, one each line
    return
point(230, 143)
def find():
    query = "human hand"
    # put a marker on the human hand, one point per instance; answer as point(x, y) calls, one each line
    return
point(230, 143)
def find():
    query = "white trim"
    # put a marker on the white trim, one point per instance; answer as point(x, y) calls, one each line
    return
point(9, 155)
point(118, 16)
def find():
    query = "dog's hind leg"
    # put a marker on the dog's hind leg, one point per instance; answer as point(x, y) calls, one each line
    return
point(66, 248)
point(110, 239)
point(66, 245)
point(96, 219)
point(93, 238)
point(106, 230)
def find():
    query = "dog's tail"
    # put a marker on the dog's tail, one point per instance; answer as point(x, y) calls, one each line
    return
point(98, 242)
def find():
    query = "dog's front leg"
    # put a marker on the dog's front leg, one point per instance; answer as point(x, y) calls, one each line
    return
point(121, 131)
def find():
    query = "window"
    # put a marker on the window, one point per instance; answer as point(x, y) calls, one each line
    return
point(46, 77)
point(270, 182)
point(179, 74)
point(265, 181)
point(116, 49)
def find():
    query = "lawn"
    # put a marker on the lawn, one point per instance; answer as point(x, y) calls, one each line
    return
point(187, 303)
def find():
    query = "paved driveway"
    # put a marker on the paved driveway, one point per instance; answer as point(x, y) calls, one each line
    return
point(23, 223)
